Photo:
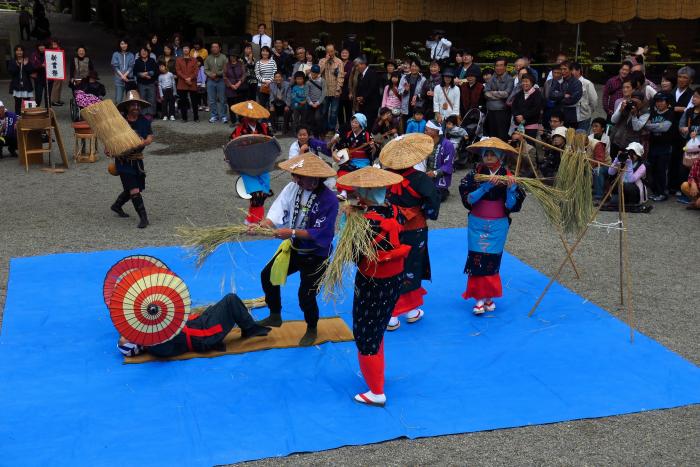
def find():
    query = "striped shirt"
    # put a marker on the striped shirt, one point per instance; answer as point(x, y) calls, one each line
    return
point(265, 71)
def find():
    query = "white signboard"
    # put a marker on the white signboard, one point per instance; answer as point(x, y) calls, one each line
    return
point(55, 64)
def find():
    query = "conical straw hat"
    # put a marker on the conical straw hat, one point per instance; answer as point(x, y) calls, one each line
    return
point(132, 96)
point(308, 165)
point(370, 177)
point(406, 151)
point(250, 109)
point(494, 143)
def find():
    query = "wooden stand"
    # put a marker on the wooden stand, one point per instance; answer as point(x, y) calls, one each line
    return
point(625, 276)
point(29, 139)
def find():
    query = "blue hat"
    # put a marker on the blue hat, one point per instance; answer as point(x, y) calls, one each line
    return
point(361, 119)
point(315, 69)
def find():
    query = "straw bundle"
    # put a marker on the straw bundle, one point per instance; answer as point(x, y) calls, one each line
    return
point(549, 198)
point(356, 241)
point(205, 240)
point(574, 177)
point(111, 128)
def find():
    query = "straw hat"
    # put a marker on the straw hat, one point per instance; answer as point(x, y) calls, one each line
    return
point(132, 96)
point(250, 109)
point(308, 165)
point(494, 143)
point(406, 151)
point(369, 177)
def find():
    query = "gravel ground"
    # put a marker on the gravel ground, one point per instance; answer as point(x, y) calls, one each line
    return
point(45, 213)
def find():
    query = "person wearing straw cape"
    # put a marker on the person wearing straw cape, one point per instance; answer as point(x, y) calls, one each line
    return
point(130, 167)
point(304, 217)
point(257, 186)
point(490, 205)
point(377, 283)
point(418, 200)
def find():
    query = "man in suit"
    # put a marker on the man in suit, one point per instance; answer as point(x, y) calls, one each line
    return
point(367, 94)
point(677, 173)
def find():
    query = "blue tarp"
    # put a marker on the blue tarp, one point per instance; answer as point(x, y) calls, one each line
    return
point(67, 399)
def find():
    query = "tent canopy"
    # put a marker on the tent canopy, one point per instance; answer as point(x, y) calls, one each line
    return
point(458, 11)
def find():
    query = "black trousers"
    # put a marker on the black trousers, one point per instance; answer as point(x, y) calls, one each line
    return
point(659, 158)
point(169, 102)
point(188, 98)
point(232, 117)
point(344, 111)
point(11, 143)
point(228, 312)
point(497, 123)
point(310, 268)
point(677, 172)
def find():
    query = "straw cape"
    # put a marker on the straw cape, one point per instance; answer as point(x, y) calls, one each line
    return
point(111, 128)
point(308, 165)
point(406, 151)
point(132, 96)
point(250, 109)
point(493, 144)
point(370, 177)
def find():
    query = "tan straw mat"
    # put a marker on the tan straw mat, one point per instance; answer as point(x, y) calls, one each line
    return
point(250, 109)
point(308, 165)
point(283, 337)
point(370, 177)
point(492, 143)
point(406, 151)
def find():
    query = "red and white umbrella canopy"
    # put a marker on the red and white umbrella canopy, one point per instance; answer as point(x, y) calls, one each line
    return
point(150, 305)
point(125, 266)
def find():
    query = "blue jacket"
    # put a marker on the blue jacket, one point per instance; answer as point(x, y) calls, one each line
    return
point(123, 62)
point(10, 130)
point(415, 126)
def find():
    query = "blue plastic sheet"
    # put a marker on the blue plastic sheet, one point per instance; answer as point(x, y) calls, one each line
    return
point(66, 398)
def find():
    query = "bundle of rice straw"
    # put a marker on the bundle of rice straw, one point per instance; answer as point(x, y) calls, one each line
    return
point(356, 241)
point(205, 240)
point(549, 198)
point(575, 178)
point(111, 128)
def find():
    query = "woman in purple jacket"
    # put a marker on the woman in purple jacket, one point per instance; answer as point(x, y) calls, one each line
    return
point(235, 82)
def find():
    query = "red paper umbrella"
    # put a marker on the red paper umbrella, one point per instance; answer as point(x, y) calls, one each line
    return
point(125, 266)
point(150, 306)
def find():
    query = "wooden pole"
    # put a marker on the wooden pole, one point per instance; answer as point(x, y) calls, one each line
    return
point(520, 157)
point(620, 201)
point(575, 245)
point(542, 143)
point(625, 250)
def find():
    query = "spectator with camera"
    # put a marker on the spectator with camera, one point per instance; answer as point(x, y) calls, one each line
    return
point(630, 162)
point(629, 117)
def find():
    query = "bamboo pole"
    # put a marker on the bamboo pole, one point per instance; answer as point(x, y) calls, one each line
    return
point(625, 249)
point(520, 157)
point(620, 200)
point(575, 245)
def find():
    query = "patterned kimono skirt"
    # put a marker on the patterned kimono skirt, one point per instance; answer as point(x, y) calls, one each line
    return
point(487, 238)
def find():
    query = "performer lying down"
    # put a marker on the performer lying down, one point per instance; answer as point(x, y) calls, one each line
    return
point(203, 332)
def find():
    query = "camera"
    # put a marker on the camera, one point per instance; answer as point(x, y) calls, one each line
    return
point(623, 155)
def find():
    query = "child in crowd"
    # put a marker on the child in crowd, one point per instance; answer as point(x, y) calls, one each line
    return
point(166, 90)
point(689, 127)
point(298, 98)
point(691, 188)
point(392, 98)
point(385, 127)
point(201, 83)
point(454, 132)
point(600, 142)
point(315, 94)
point(416, 124)
point(552, 157)
point(630, 161)
point(661, 138)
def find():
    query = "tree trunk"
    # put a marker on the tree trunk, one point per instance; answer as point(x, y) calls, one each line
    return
point(81, 10)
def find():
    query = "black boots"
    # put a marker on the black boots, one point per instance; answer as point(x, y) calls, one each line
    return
point(309, 337)
point(121, 201)
point(255, 330)
point(140, 209)
point(274, 320)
